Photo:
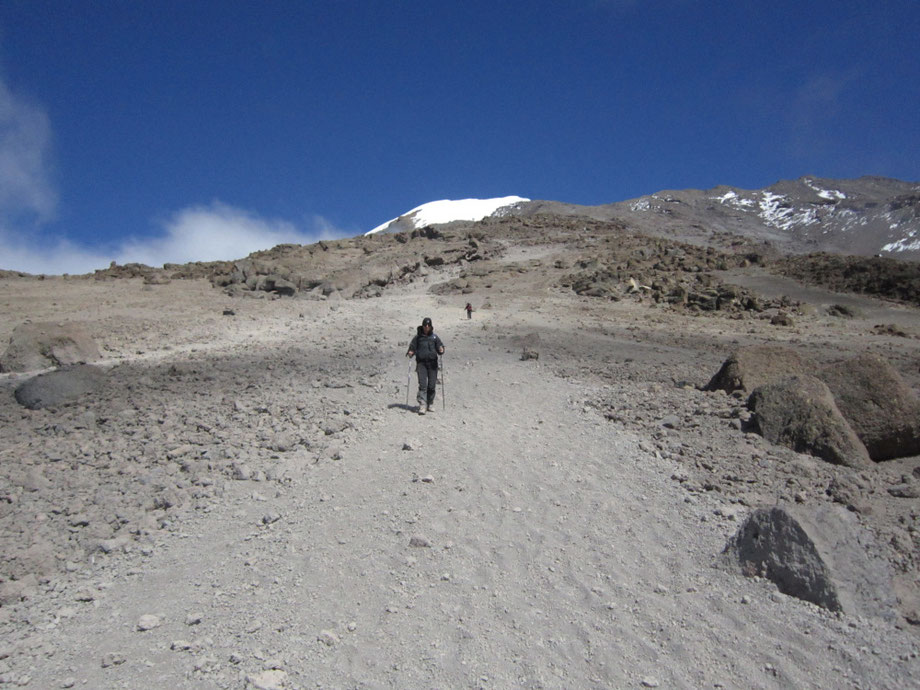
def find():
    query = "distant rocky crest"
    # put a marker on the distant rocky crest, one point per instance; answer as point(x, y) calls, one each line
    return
point(867, 216)
point(845, 235)
point(605, 259)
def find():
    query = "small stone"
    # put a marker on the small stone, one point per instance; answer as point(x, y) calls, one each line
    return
point(905, 490)
point(274, 679)
point(270, 518)
point(420, 541)
point(427, 479)
point(148, 622)
point(180, 646)
point(193, 619)
point(328, 638)
point(112, 659)
point(649, 682)
point(206, 663)
point(68, 683)
point(241, 472)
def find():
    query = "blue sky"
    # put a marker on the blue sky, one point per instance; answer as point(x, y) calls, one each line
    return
point(178, 130)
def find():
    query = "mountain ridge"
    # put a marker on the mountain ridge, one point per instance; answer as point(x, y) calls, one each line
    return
point(865, 216)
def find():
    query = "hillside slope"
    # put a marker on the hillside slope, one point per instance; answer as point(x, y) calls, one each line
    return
point(253, 479)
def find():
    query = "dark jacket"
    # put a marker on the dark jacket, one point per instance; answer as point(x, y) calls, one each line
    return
point(426, 347)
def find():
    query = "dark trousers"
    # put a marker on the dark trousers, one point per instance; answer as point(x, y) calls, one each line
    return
point(427, 380)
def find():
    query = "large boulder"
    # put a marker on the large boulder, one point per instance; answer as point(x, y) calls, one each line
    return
point(59, 387)
point(41, 345)
point(823, 556)
point(275, 283)
point(799, 412)
point(753, 366)
point(880, 407)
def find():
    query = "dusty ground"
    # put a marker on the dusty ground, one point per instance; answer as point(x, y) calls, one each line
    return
point(257, 483)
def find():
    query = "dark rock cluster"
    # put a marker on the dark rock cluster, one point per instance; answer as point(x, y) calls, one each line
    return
point(357, 267)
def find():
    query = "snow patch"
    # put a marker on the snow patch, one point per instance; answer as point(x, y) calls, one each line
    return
point(776, 212)
point(829, 194)
point(732, 198)
point(447, 210)
point(905, 244)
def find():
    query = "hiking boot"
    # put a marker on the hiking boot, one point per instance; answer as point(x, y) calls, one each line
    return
point(421, 410)
point(430, 408)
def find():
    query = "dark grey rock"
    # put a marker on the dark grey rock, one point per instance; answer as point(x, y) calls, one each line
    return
point(60, 387)
point(823, 556)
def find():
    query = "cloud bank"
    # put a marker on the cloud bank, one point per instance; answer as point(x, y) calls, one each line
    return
point(25, 149)
point(28, 202)
point(217, 232)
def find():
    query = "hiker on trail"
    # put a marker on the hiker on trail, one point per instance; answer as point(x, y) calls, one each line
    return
point(426, 346)
point(469, 310)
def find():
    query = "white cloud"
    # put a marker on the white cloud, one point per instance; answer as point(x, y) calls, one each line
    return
point(28, 201)
point(200, 233)
point(52, 258)
point(25, 145)
point(213, 233)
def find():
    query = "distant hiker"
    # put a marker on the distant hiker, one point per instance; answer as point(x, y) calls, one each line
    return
point(426, 346)
point(469, 310)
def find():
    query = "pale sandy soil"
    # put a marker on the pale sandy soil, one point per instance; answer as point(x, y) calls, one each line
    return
point(514, 538)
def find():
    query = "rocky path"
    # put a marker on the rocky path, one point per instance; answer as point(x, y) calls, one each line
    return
point(513, 539)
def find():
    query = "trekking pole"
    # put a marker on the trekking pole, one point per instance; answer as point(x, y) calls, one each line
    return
point(443, 386)
point(408, 381)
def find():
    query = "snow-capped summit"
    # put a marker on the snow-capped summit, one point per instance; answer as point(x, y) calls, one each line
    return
point(447, 210)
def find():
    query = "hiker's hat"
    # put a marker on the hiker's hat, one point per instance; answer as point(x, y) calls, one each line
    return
point(426, 322)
